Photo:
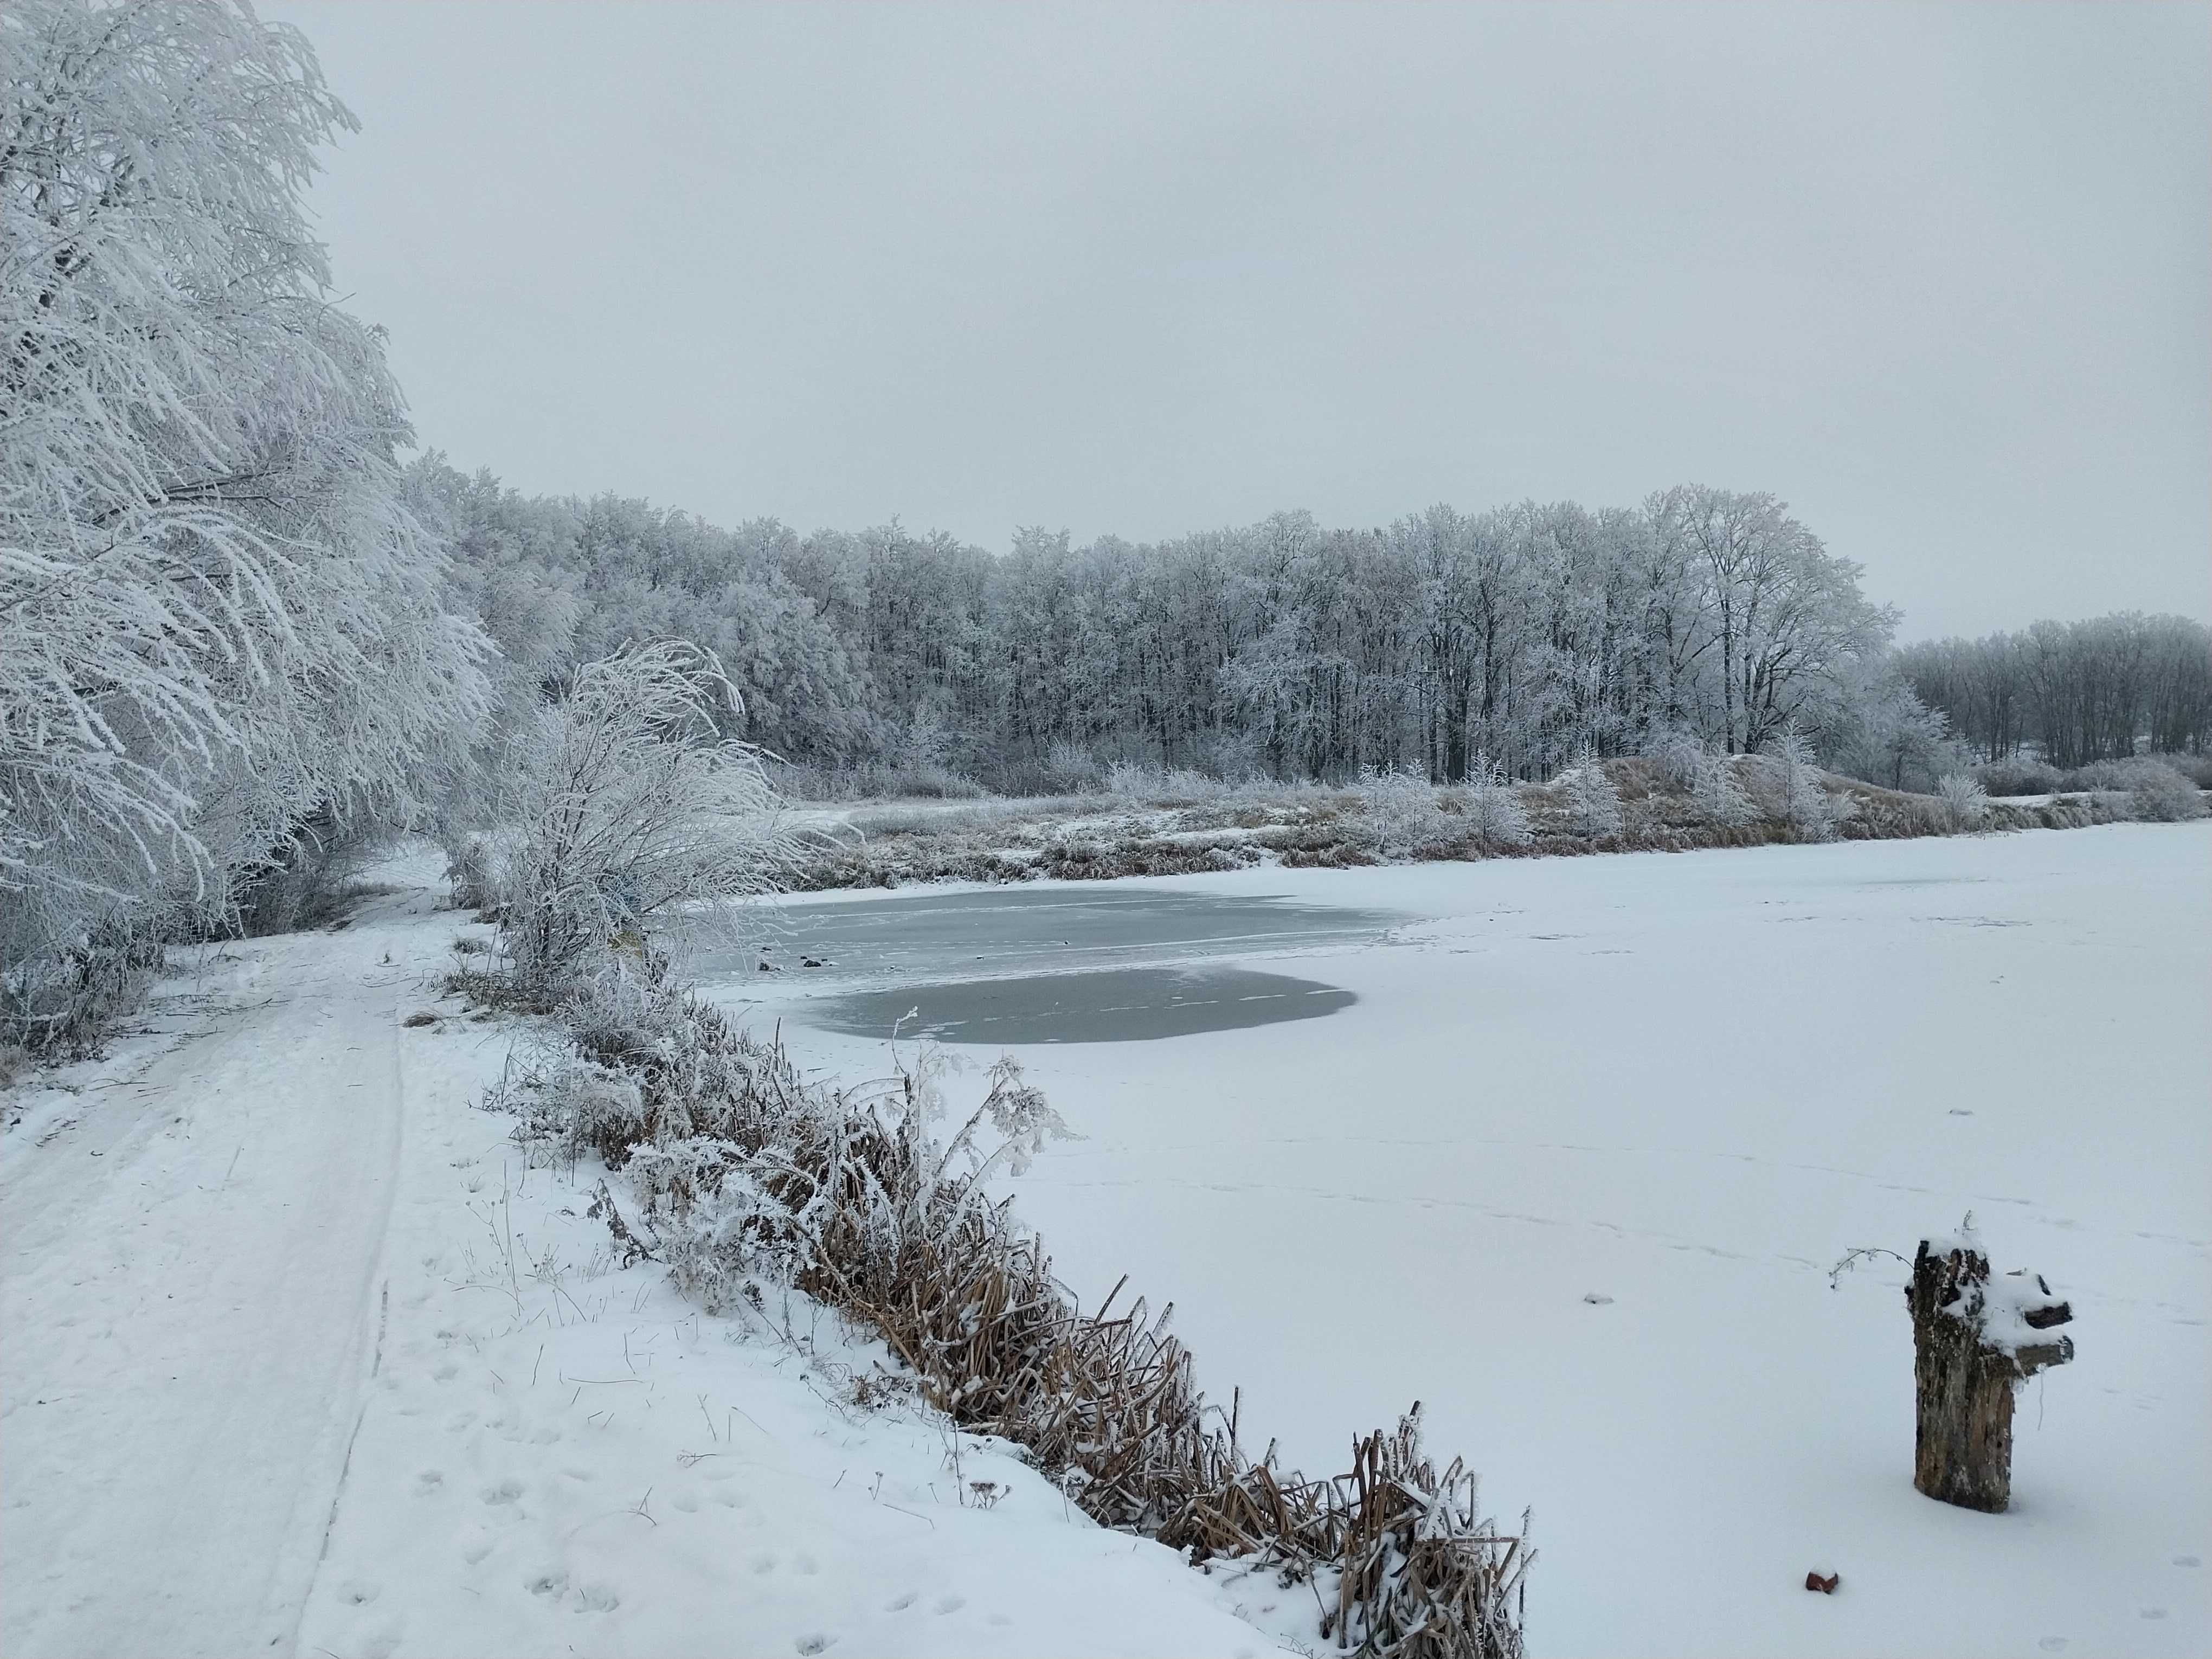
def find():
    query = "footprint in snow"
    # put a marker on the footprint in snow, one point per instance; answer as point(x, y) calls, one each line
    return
point(806, 1565)
point(763, 1563)
point(900, 1603)
point(505, 1492)
point(813, 1645)
point(686, 1501)
point(950, 1603)
point(2154, 1612)
point(2187, 1561)
point(2052, 1645)
point(428, 1482)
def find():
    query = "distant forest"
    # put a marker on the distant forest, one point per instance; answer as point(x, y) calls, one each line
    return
point(1516, 640)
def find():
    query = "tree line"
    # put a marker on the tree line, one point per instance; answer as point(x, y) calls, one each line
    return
point(1446, 643)
point(2073, 693)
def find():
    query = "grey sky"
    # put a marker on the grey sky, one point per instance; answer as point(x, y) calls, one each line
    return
point(1940, 276)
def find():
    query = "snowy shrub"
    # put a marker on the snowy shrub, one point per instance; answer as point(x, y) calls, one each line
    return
point(2020, 776)
point(634, 817)
point(1593, 802)
point(1718, 798)
point(1495, 816)
point(2159, 794)
point(1962, 804)
point(1398, 809)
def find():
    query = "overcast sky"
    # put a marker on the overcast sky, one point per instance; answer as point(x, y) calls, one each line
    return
point(1938, 276)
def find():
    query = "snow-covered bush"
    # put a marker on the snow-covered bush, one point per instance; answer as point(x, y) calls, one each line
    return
point(632, 819)
point(1494, 813)
point(1398, 809)
point(2159, 794)
point(1593, 802)
point(2020, 776)
point(1963, 804)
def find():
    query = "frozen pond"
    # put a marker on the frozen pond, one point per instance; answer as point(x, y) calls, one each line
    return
point(1053, 964)
point(1572, 1167)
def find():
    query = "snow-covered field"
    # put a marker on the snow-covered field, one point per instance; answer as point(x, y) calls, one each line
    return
point(1687, 1085)
point(300, 1357)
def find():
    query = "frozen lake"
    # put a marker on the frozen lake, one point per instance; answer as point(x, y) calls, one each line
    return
point(1688, 1084)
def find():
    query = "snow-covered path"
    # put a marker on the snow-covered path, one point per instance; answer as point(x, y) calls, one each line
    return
point(188, 1281)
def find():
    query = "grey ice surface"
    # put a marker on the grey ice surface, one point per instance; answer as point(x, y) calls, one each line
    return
point(1051, 965)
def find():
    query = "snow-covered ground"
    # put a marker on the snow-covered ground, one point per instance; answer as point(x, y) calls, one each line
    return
point(301, 1356)
point(1573, 1171)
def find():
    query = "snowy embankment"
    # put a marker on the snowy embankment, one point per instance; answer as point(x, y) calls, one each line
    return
point(300, 1356)
point(1573, 1170)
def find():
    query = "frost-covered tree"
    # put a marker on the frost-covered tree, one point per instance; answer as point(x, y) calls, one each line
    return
point(1494, 813)
point(220, 627)
point(1715, 795)
point(1593, 800)
point(1800, 802)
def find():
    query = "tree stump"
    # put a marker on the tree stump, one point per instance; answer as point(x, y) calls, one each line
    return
point(1974, 1341)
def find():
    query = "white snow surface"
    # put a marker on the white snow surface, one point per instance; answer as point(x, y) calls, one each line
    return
point(301, 1356)
point(1575, 1167)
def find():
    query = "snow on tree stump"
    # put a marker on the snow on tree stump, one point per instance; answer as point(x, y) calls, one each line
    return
point(1975, 1339)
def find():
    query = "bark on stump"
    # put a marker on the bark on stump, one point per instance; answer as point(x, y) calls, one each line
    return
point(1968, 1358)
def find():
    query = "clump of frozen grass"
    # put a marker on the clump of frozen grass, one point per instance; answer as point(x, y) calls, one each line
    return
point(1962, 804)
point(1397, 808)
point(1494, 813)
point(1593, 802)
